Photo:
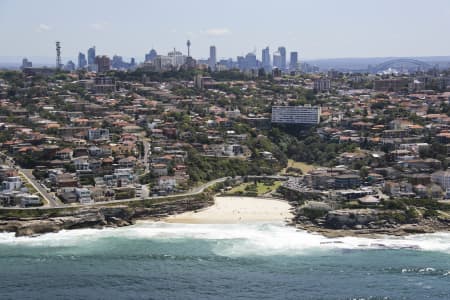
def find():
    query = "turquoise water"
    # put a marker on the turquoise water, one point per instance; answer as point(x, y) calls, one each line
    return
point(258, 261)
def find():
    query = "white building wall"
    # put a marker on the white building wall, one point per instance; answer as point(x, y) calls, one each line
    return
point(296, 114)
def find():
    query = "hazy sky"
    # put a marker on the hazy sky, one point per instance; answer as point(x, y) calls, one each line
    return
point(315, 28)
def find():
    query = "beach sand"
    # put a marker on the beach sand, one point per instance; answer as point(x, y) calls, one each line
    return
point(231, 210)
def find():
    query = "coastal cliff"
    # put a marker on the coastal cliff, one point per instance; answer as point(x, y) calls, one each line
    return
point(367, 221)
point(40, 222)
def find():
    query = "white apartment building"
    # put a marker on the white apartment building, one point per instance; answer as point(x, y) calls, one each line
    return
point(83, 195)
point(296, 114)
point(98, 134)
point(12, 184)
point(322, 84)
point(442, 178)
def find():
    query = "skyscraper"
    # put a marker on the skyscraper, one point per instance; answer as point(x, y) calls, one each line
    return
point(282, 51)
point(26, 63)
point(91, 55)
point(266, 58)
point(103, 63)
point(250, 62)
point(70, 66)
point(293, 63)
point(212, 57)
point(117, 62)
point(241, 62)
point(58, 55)
point(151, 55)
point(277, 59)
point(81, 61)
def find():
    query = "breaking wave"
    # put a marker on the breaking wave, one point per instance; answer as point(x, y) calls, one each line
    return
point(235, 239)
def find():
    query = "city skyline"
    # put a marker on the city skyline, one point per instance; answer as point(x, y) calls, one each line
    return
point(322, 29)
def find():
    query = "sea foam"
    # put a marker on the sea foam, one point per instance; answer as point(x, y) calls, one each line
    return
point(235, 239)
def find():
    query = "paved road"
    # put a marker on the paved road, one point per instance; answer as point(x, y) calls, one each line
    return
point(28, 174)
point(146, 143)
point(50, 198)
point(56, 204)
point(193, 191)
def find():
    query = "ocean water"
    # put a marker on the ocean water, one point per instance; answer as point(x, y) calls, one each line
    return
point(200, 261)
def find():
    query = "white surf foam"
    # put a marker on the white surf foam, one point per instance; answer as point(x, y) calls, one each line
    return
point(237, 239)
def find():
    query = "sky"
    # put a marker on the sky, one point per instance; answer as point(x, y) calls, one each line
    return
point(314, 28)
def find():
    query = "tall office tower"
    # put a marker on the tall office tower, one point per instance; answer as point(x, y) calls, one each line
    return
point(103, 63)
point(277, 59)
point(282, 51)
point(81, 61)
point(91, 56)
point(250, 62)
point(293, 63)
point(240, 61)
point(151, 55)
point(266, 58)
point(26, 63)
point(58, 55)
point(117, 62)
point(70, 66)
point(176, 57)
point(212, 57)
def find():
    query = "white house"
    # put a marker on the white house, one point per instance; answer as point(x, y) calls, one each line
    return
point(12, 184)
point(83, 195)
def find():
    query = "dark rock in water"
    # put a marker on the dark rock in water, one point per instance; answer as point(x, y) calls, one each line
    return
point(416, 229)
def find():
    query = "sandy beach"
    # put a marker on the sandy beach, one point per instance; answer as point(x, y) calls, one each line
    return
point(236, 209)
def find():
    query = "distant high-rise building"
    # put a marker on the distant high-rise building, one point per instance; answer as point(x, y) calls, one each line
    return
point(81, 60)
point(190, 63)
point(70, 66)
point(293, 63)
point(117, 62)
point(296, 114)
point(322, 84)
point(103, 63)
point(228, 63)
point(91, 56)
point(162, 63)
point(212, 57)
point(282, 51)
point(58, 55)
point(277, 59)
point(151, 55)
point(250, 62)
point(177, 58)
point(240, 60)
point(266, 58)
point(26, 63)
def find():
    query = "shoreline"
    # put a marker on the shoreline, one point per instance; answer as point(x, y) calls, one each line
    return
point(400, 230)
point(236, 210)
point(209, 210)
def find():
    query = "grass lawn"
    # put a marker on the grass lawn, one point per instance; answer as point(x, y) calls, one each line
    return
point(31, 188)
point(25, 183)
point(261, 188)
point(299, 165)
point(264, 189)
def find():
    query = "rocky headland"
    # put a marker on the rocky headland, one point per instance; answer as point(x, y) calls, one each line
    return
point(368, 222)
point(95, 216)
